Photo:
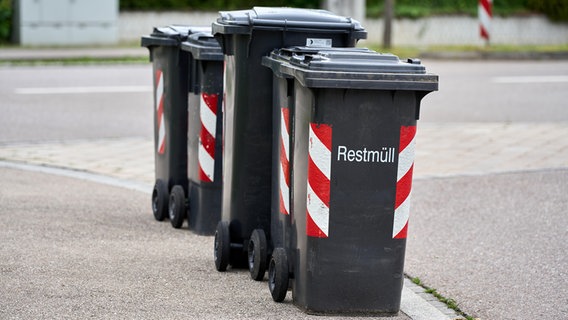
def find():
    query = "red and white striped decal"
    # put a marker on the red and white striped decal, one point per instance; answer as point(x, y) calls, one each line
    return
point(319, 177)
point(206, 152)
point(160, 111)
point(404, 181)
point(284, 178)
point(485, 14)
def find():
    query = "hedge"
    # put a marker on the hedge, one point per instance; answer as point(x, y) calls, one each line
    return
point(555, 9)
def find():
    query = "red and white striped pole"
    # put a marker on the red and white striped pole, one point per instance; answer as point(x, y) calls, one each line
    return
point(485, 14)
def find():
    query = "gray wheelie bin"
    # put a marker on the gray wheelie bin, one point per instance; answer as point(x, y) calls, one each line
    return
point(205, 126)
point(345, 120)
point(170, 78)
point(246, 36)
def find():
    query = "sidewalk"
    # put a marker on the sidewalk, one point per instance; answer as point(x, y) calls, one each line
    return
point(443, 150)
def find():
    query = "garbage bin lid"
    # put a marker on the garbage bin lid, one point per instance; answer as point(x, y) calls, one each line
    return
point(203, 46)
point(171, 35)
point(355, 68)
point(243, 21)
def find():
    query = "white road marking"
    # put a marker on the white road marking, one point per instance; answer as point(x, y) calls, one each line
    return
point(82, 90)
point(530, 79)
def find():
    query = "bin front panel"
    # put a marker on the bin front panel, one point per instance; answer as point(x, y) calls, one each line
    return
point(346, 162)
point(281, 160)
point(247, 184)
point(170, 115)
point(205, 208)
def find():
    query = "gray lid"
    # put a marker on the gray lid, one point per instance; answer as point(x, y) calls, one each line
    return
point(243, 21)
point(356, 68)
point(172, 35)
point(203, 46)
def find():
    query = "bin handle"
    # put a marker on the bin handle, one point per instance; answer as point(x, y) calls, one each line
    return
point(292, 24)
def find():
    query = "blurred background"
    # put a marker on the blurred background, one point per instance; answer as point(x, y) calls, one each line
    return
point(414, 24)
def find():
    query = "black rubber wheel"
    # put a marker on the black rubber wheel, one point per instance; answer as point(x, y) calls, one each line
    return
point(160, 200)
point(222, 248)
point(278, 276)
point(257, 254)
point(177, 208)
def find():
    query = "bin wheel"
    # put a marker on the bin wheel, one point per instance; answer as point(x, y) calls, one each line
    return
point(278, 276)
point(257, 254)
point(222, 248)
point(160, 200)
point(177, 209)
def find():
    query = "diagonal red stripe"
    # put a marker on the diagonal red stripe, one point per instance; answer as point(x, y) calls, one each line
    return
point(282, 207)
point(284, 163)
point(483, 32)
point(162, 147)
point(312, 229)
point(208, 141)
point(318, 181)
point(487, 6)
point(203, 176)
point(403, 233)
point(158, 75)
point(403, 187)
point(286, 116)
point(407, 133)
point(210, 101)
point(323, 132)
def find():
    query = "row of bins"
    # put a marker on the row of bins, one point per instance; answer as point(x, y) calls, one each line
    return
point(293, 147)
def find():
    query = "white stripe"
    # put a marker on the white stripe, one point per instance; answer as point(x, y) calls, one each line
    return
point(530, 79)
point(206, 162)
point(318, 211)
point(484, 18)
point(161, 135)
point(75, 90)
point(405, 159)
point(319, 154)
point(285, 135)
point(208, 118)
point(284, 190)
point(401, 215)
point(159, 89)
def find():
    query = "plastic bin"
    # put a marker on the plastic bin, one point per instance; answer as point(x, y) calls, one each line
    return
point(346, 122)
point(246, 36)
point(205, 127)
point(170, 78)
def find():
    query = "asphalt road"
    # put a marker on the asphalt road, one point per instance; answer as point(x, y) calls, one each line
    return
point(75, 102)
point(498, 91)
point(85, 102)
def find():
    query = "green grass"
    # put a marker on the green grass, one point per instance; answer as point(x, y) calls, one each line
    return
point(415, 52)
point(451, 303)
point(415, 9)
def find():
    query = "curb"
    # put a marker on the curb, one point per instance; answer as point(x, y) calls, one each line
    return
point(61, 54)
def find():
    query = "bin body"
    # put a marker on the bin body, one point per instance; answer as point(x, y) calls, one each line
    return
point(170, 79)
point(205, 127)
point(352, 123)
point(246, 36)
